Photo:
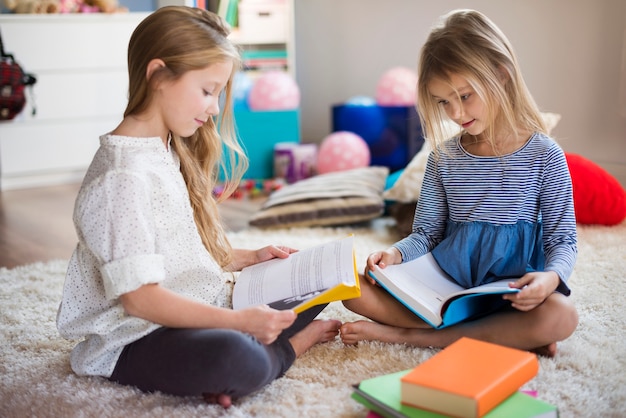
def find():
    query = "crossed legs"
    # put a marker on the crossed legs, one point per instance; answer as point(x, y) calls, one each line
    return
point(536, 330)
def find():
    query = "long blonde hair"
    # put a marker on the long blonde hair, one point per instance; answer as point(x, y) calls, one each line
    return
point(186, 39)
point(466, 43)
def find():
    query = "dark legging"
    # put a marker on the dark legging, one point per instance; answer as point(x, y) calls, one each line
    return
point(193, 362)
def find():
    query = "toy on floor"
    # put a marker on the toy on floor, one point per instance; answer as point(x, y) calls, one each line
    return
point(294, 161)
point(250, 188)
point(342, 151)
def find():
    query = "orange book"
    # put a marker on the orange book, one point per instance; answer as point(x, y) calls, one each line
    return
point(468, 378)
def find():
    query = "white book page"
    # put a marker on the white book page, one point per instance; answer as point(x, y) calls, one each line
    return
point(421, 279)
point(424, 287)
point(309, 271)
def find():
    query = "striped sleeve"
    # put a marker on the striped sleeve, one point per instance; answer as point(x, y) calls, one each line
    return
point(557, 212)
point(431, 215)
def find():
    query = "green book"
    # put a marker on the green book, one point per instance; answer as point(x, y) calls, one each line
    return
point(252, 54)
point(382, 395)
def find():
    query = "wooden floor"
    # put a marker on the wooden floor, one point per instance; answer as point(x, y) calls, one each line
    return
point(36, 224)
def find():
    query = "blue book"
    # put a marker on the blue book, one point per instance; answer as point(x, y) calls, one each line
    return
point(423, 287)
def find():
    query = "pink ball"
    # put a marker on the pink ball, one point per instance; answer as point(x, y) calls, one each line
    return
point(274, 90)
point(397, 87)
point(341, 151)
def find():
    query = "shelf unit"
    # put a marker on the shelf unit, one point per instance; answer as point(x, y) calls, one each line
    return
point(81, 91)
point(260, 38)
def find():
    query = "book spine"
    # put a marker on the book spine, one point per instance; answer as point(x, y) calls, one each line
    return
point(508, 385)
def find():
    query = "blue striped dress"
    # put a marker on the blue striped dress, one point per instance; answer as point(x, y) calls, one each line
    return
point(490, 218)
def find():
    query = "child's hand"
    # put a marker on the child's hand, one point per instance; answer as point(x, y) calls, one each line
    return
point(535, 287)
point(244, 258)
point(265, 323)
point(382, 259)
point(272, 251)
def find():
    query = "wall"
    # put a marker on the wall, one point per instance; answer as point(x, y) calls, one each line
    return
point(571, 53)
point(81, 92)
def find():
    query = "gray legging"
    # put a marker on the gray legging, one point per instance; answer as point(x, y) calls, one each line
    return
point(193, 362)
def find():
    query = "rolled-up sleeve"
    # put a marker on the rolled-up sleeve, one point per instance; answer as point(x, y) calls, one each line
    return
point(125, 275)
point(117, 224)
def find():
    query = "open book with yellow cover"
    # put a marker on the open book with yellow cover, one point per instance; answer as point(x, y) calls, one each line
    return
point(309, 277)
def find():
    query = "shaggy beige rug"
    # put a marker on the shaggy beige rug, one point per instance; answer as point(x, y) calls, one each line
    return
point(586, 379)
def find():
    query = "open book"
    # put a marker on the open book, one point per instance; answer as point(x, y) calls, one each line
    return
point(423, 287)
point(309, 277)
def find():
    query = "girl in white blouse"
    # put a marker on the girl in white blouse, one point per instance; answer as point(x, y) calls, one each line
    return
point(146, 291)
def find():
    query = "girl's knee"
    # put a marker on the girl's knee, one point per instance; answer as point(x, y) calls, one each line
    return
point(564, 316)
point(246, 365)
point(369, 298)
point(351, 304)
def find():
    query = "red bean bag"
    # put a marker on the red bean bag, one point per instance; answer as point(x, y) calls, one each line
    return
point(598, 197)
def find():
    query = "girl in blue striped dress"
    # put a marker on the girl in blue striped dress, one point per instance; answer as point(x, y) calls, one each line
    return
point(496, 200)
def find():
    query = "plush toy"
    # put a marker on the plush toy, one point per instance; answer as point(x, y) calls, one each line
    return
point(32, 6)
point(64, 6)
point(104, 6)
point(70, 6)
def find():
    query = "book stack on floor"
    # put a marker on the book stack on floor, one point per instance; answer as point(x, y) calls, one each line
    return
point(469, 378)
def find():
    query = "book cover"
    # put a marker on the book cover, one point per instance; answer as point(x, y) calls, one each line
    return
point(468, 378)
point(309, 277)
point(423, 287)
point(381, 394)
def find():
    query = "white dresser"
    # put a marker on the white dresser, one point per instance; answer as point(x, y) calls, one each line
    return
point(81, 91)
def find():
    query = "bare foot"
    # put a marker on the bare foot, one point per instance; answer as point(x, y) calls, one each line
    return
point(318, 331)
point(546, 350)
point(353, 332)
point(220, 399)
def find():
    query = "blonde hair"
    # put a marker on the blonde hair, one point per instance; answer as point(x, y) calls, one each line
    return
point(186, 39)
point(468, 44)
